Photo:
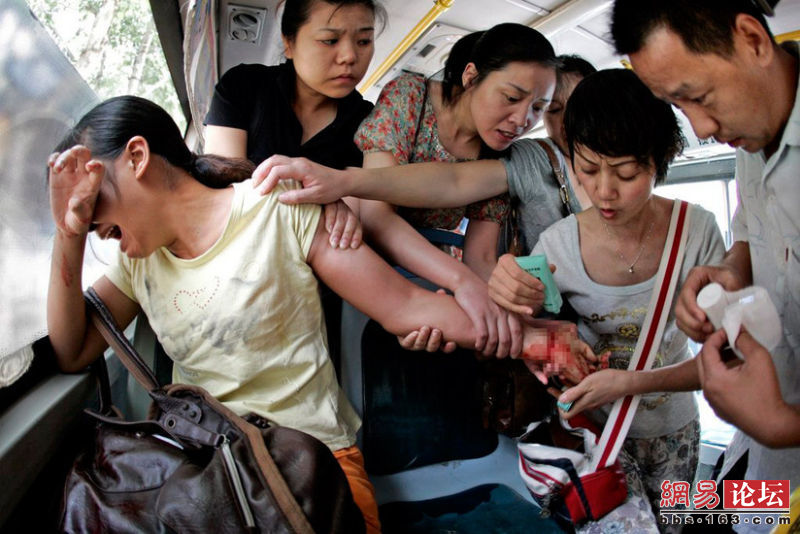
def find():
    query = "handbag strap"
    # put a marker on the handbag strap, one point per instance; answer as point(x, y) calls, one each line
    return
point(105, 323)
point(421, 116)
point(513, 240)
point(624, 409)
point(563, 191)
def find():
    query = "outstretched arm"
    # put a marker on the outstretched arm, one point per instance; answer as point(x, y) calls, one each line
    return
point(417, 185)
point(609, 385)
point(75, 181)
point(480, 247)
point(230, 142)
point(406, 247)
point(362, 278)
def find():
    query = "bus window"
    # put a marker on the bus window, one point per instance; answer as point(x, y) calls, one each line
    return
point(114, 46)
point(101, 49)
point(718, 197)
point(40, 94)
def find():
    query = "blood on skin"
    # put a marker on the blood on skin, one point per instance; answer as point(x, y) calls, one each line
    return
point(67, 277)
point(554, 347)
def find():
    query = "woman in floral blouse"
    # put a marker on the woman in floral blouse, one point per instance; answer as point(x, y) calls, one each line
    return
point(495, 87)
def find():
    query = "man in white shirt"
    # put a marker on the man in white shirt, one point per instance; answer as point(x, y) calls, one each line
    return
point(718, 62)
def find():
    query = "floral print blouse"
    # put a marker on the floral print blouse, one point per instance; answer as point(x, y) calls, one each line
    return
point(392, 127)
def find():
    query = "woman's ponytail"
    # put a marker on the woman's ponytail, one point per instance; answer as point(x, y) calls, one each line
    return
point(460, 56)
point(219, 172)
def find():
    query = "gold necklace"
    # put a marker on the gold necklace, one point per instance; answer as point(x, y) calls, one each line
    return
point(641, 248)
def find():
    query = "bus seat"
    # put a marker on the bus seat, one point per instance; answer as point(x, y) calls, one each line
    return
point(427, 454)
point(420, 408)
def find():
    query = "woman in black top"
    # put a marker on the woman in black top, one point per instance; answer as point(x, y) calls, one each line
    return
point(307, 106)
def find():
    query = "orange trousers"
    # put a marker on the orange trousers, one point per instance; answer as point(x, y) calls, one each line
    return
point(352, 462)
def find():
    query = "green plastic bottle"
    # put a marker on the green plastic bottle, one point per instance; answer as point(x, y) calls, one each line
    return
point(538, 267)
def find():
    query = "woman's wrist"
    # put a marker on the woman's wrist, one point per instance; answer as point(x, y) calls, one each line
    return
point(358, 182)
point(463, 276)
point(637, 382)
point(348, 179)
point(70, 239)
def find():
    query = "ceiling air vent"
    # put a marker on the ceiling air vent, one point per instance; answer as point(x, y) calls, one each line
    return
point(426, 56)
point(426, 50)
point(429, 53)
point(245, 24)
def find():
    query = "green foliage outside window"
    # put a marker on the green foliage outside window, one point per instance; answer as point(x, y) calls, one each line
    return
point(114, 46)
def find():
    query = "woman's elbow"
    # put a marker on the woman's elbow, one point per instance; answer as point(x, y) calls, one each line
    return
point(73, 361)
point(398, 324)
point(69, 365)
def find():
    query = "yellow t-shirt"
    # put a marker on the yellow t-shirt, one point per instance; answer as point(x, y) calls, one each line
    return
point(244, 319)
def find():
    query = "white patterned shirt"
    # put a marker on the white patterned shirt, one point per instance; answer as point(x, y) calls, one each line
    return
point(768, 218)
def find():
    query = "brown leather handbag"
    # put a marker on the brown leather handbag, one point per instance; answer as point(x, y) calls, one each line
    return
point(512, 397)
point(195, 466)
